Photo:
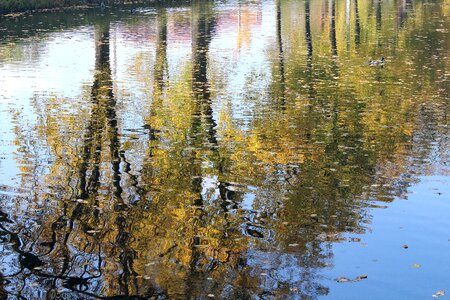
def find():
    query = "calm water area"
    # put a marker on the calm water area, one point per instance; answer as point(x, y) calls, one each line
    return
point(226, 150)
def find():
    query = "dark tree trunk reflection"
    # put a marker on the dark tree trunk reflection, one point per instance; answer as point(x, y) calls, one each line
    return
point(308, 37)
point(161, 52)
point(357, 25)
point(202, 30)
point(282, 80)
point(333, 28)
point(309, 51)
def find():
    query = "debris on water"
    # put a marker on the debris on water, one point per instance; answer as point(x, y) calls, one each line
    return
point(438, 294)
point(345, 279)
point(417, 265)
point(360, 277)
point(331, 237)
point(357, 240)
point(405, 246)
point(322, 290)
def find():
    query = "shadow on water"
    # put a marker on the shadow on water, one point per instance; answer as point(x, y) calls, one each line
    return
point(150, 187)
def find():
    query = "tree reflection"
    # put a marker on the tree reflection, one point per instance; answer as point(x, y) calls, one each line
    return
point(200, 201)
point(281, 55)
point(333, 28)
point(357, 25)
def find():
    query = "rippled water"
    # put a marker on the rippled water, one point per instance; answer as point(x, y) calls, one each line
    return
point(230, 150)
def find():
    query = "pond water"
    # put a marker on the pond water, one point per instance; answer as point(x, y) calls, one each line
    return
point(228, 150)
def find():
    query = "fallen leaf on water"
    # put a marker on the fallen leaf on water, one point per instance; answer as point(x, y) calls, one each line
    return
point(331, 237)
point(438, 294)
point(360, 277)
point(343, 279)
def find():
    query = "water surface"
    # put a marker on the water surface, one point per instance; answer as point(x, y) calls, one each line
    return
point(230, 150)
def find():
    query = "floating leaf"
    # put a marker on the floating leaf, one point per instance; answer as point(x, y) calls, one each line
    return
point(343, 279)
point(360, 277)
